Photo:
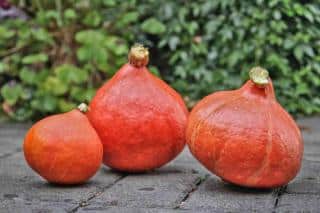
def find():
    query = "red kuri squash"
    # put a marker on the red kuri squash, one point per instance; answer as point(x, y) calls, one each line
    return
point(139, 118)
point(245, 137)
point(64, 148)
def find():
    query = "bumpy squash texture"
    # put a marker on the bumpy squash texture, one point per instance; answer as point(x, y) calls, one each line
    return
point(245, 137)
point(139, 118)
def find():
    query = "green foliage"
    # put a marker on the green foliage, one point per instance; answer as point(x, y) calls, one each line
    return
point(211, 45)
point(153, 26)
point(56, 59)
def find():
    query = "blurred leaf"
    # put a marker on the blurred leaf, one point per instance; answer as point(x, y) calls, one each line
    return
point(68, 73)
point(23, 114)
point(92, 19)
point(82, 95)
point(298, 52)
point(153, 26)
point(6, 33)
point(27, 76)
point(70, 14)
point(55, 86)
point(173, 42)
point(11, 93)
point(89, 37)
point(3, 67)
point(96, 55)
point(309, 51)
point(109, 3)
point(66, 106)
point(154, 70)
point(127, 18)
point(35, 58)
point(46, 103)
point(42, 35)
point(41, 76)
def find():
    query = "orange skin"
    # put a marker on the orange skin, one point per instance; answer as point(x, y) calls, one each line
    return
point(141, 120)
point(64, 148)
point(245, 137)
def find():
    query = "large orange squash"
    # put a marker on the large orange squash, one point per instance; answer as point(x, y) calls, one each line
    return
point(245, 137)
point(139, 118)
point(64, 148)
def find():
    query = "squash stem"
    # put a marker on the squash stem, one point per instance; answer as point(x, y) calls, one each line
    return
point(83, 108)
point(259, 76)
point(138, 55)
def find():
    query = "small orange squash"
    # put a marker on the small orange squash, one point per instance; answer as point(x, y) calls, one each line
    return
point(64, 148)
point(245, 137)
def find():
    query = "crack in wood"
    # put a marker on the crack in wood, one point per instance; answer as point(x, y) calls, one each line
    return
point(96, 194)
point(278, 193)
point(8, 154)
point(188, 193)
point(302, 193)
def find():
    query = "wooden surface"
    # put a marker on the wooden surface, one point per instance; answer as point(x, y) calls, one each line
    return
point(181, 186)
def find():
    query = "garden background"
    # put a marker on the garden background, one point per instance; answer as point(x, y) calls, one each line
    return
point(55, 53)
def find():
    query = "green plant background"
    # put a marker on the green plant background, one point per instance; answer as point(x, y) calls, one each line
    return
point(66, 49)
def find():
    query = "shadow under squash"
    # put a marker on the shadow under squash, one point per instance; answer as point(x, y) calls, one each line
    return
point(168, 169)
point(217, 184)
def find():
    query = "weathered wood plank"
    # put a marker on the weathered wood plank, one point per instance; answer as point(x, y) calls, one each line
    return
point(307, 181)
point(11, 138)
point(163, 188)
point(310, 129)
point(115, 209)
point(216, 195)
point(18, 181)
point(17, 205)
point(299, 203)
point(303, 193)
point(179, 186)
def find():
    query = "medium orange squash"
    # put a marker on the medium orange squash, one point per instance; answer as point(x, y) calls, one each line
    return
point(139, 118)
point(64, 148)
point(245, 137)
